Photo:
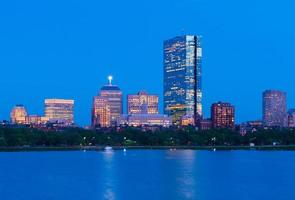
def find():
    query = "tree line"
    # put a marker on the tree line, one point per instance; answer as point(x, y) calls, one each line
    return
point(18, 137)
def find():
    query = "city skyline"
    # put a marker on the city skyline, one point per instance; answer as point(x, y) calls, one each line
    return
point(65, 55)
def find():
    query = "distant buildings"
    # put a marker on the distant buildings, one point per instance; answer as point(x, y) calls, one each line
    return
point(107, 106)
point(60, 111)
point(182, 78)
point(143, 110)
point(101, 114)
point(115, 100)
point(143, 103)
point(223, 115)
point(36, 120)
point(274, 108)
point(18, 115)
point(145, 120)
point(291, 118)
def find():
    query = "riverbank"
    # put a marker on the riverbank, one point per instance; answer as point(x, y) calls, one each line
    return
point(101, 148)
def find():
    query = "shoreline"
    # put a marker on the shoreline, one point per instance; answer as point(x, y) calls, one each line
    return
point(101, 148)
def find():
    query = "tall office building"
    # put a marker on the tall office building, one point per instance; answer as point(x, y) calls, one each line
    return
point(60, 110)
point(182, 78)
point(143, 103)
point(223, 115)
point(114, 96)
point(274, 108)
point(18, 114)
point(291, 118)
point(101, 115)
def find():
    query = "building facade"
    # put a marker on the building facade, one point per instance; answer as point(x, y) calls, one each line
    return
point(223, 115)
point(18, 114)
point(274, 108)
point(101, 116)
point(145, 120)
point(291, 118)
point(143, 103)
point(36, 120)
point(182, 78)
point(115, 100)
point(60, 111)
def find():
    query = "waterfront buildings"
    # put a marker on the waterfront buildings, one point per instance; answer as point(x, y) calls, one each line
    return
point(60, 111)
point(145, 120)
point(101, 115)
point(182, 78)
point(291, 118)
point(142, 103)
point(274, 108)
point(223, 115)
point(114, 96)
point(18, 114)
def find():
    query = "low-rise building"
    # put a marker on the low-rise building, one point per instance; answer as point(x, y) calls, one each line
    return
point(204, 124)
point(223, 115)
point(145, 120)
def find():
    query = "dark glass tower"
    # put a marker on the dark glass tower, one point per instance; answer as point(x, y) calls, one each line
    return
point(182, 78)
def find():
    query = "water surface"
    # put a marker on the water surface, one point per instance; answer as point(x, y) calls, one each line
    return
point(147, 174)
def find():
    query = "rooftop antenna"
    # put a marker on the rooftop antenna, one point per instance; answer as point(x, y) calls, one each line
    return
point(110, 79)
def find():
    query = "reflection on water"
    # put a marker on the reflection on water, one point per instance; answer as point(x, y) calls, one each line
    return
point(108, 171)
point(184, 161)
point(147, 175)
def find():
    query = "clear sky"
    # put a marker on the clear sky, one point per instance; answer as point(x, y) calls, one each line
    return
point(66, 49)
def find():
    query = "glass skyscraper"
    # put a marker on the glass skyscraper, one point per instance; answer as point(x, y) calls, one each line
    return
point(183, 78)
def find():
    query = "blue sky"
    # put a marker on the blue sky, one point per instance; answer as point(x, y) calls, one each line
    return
point(66, 49)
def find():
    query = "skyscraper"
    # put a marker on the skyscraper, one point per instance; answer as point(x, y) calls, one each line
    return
point(182, 78)
point(18, 114)
point(109, 96)
point(60, 110)
point(223, 115)
point(143, 103)
point(115, 100)
point(101, 112)
point(274, 108)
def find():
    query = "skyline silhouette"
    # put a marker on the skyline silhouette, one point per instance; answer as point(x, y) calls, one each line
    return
point(53, 49)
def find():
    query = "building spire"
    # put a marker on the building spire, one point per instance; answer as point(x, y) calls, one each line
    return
point(110, 78)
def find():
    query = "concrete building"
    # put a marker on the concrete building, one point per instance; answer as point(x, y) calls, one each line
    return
point(101, 115)
point(274, 108)
point(18, 115)
point(145, 120)
point(114, 96)
point(143, 103)
point(60, 111)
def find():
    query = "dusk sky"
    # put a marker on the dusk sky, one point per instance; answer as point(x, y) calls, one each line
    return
point(66, 49)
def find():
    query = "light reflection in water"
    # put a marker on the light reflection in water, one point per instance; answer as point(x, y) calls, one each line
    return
point(110, 171)
point(185, 183)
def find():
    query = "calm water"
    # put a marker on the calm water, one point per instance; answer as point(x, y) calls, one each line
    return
point(146, 174)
